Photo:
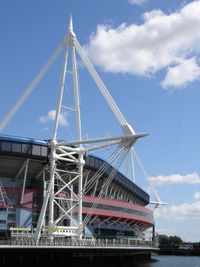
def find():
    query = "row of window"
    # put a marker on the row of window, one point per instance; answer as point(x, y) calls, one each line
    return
point(2, 223)
point(96, 163)
point(113, 232)
point(28, 149)
point(8, 218)
point(116, 192)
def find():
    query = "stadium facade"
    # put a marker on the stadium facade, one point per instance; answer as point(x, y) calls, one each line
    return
point(57, 189)
point(24, 175)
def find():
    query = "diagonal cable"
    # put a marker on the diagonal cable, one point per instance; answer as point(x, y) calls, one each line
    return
point(31, 86)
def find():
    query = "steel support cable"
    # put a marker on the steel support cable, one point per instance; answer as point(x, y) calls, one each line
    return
point(107, 164)
point(146, 175)
point(100, 193)
point(113, 172)
point(95, 203)
point(97, 177)
point(121, 149)
point(103, 190)
point(106, 184)
point(101, 85)
point(102, 169)
point(127, 147)
point(31, 86)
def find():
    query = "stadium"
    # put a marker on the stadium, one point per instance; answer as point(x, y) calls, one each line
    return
point(24, 173)
point(55, 189)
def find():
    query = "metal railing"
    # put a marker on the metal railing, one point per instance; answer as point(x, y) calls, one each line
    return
point(123, 243)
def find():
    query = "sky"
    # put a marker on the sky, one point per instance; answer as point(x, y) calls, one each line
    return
point(148, 54)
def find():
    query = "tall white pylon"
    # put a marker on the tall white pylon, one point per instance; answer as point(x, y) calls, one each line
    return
point(63, 199)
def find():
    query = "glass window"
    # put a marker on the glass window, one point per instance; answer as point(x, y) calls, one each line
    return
point(35, 218)
point(11, 211)
point(2, 211)
point(26, 148)
point(36, 150)
point(16, 147)
point(91, 162)
point(2, 223)
point(11, 217)
point(44, 151)
point(5, 146)
point(13, 200)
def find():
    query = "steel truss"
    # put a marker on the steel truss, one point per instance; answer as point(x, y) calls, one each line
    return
point(65, 187)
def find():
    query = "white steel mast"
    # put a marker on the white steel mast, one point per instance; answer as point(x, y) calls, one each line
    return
point(81, 161)
point(67, 154)
point(60, 192)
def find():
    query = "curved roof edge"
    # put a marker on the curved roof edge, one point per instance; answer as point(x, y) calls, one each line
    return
point(26, 140)
point(92, 161)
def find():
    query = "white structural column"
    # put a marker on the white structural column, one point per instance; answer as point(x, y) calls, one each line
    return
point(24, 182)
point(50, 189)
point(54, 136)
point(65, 195)
point(81, 161)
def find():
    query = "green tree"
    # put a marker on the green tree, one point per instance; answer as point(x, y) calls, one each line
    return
point(170, 240)
point(175, 241)
point(163, 240)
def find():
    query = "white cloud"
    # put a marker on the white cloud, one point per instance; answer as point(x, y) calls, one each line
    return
point(197, 196)
point(192, 178)
point(137, 2)
point(178, 212)
point(162, 41)
point(185, 72)
point(44, 129)
point(51, 117)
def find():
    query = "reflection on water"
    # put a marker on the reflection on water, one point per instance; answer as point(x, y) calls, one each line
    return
point(170, 261)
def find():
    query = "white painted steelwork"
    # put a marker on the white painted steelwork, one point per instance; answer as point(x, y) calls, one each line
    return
point(60, 192)
point(61, 195)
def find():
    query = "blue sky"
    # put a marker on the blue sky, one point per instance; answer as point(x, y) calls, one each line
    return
point(147, 53)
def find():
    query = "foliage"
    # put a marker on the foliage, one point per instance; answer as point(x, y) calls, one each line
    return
point(170, 241)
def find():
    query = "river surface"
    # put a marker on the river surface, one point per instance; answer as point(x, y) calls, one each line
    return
point(171, 261)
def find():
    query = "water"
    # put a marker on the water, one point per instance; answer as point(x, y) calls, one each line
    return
point(171, 261)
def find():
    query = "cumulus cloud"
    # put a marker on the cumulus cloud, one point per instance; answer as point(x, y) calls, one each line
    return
point(197, 196)
point(180, 75)
point(192, 178)
point(137, 2)
point(177, 212)
point(162, 41)
point(51, 117)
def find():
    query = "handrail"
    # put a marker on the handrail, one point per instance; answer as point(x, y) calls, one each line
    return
point(63, 242)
